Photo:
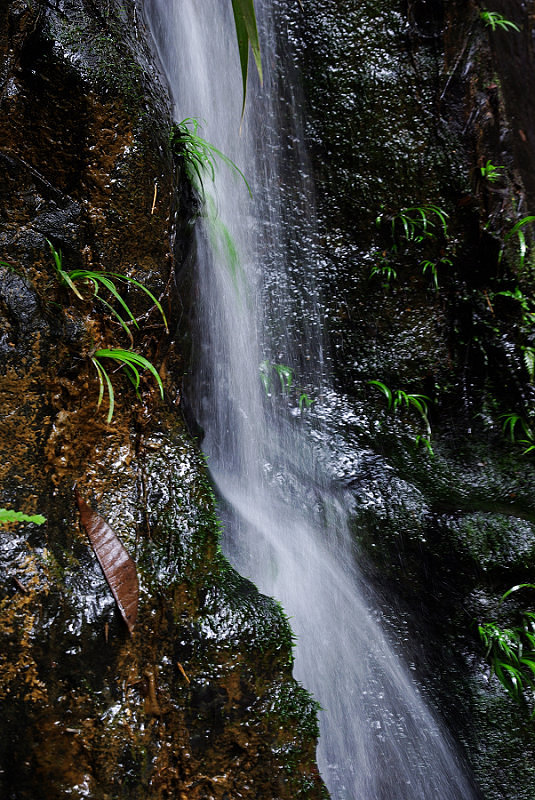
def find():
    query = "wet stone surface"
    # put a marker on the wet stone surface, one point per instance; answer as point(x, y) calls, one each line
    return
point(199, 702)
point(405, 103)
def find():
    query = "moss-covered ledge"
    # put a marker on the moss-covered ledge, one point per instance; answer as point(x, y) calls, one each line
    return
point(199, 702)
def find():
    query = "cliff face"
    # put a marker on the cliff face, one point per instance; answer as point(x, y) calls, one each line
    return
point(199, 702)
point(427, 292)
point(407, 102)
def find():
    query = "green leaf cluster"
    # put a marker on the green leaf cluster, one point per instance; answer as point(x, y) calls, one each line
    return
point(518, 230)
point(104, 280)
point(285, 375)
point(417, 223)
point(490, 172)
point(398, 399)
point(199, 156)
point(516, 426)
point(130, 363)
point(128, 360)
point(495, 20)
point(511, 652)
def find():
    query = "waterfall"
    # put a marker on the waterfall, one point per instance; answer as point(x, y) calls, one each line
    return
point(259, 364)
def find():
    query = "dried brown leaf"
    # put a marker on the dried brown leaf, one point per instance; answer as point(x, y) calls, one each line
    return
point(118, 568)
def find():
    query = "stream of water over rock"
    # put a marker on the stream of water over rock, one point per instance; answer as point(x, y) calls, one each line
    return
point(261, 394)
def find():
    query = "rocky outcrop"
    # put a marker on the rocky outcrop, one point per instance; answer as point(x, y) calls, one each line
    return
point(199, 702)
point(410, 106)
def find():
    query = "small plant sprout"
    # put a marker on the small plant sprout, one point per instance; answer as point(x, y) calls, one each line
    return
point(519, 431)
point(431, 268)
point(286, 376)
point(95, 281)
point(512, 424)
point(526, 303)
point(417, 222)
point(223, 243)
point(265, 375)
point(495, 20)
point(383, 270)
point(305, 401)
point(131, 363)
point(63, 276)
point(284, 372)
point(200, 157)
point(425, 441)
point(490, 172)
point(398, 399)
point(528, 355)
point(7, 515)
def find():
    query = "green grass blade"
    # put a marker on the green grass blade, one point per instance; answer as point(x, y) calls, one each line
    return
point(529, 663)
point(104, 380)
point(405, 223)
point(243, 47)
point(510, 677)
point(84, 276)
point(516, 588)
point(112, 289)
point(384, 389)
point(228, 161)
point(132, 373)
point(120, 320)
point(64, 276)
point(134, 361)
point(143, 288)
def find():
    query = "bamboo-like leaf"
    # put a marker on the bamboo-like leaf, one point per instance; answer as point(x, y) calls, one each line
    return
point(528, 662)
point(64, 276)
point(384, 389)
point(132, 361)
point(117, 566)
point(516, 588)
point(104, 379)
point(144, 289)
point(247, 33)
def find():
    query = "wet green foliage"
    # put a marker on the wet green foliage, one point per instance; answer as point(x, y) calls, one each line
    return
point(247, 33)
point(432, 268)
point(495, 21)
point(424, 226)
point(416, 223)
point(398, 399)
point(104, 280)
point(285, 375)
point(131, 363)
point(127, 360)
point(511, 653)
point(518, 231)
point(200, 161)
point(8, 515)
point(199, 156)
point(490, 172)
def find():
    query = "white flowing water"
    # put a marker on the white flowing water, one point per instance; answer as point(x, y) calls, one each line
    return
point(284, 528)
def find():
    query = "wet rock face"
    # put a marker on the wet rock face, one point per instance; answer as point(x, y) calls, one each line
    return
point(199, 702)
point(407, 102)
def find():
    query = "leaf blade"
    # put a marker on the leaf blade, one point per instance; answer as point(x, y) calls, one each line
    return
point(118, 568)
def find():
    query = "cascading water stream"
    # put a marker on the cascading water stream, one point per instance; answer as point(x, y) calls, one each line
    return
point(284, 528)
